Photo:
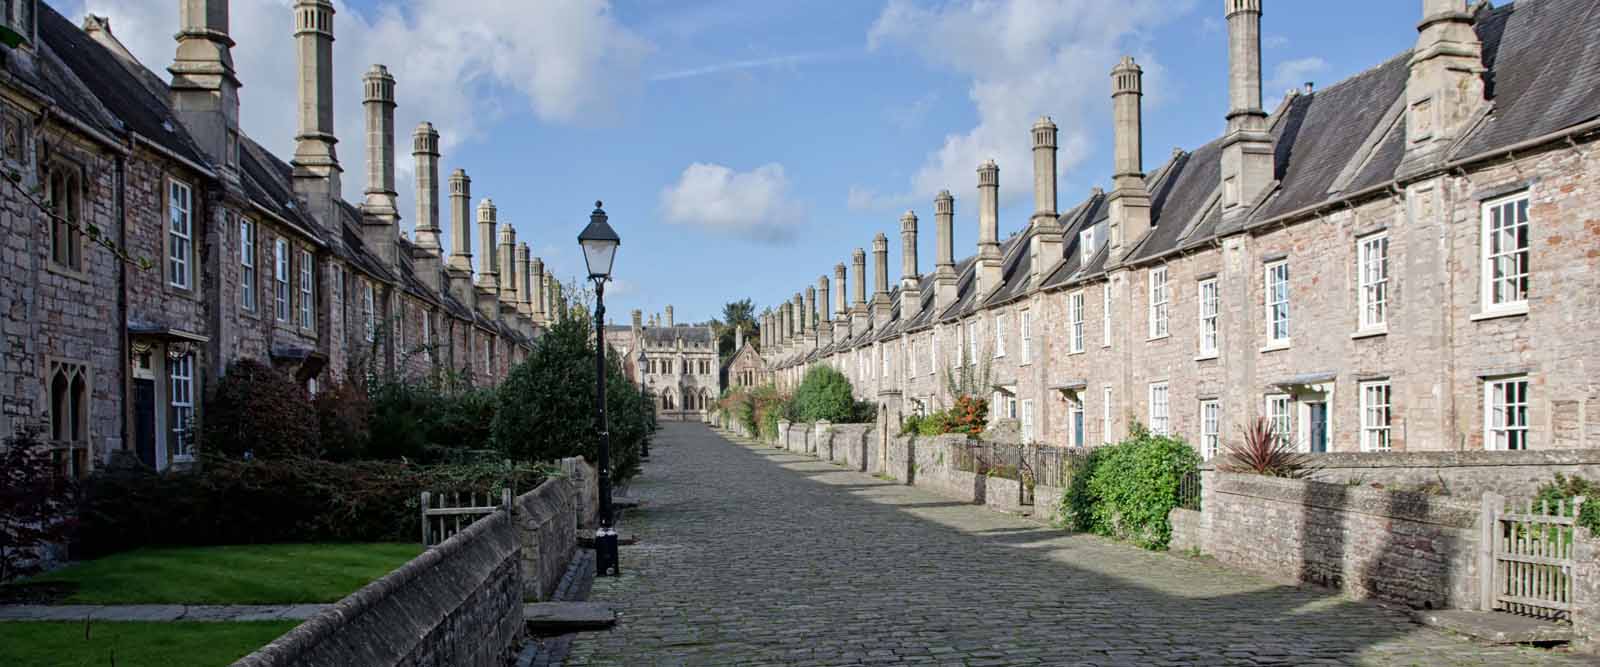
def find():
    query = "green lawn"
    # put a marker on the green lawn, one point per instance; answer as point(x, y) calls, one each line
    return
point(246, 574)
point(26, 644)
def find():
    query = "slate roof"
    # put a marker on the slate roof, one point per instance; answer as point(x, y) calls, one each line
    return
point(1544, 71)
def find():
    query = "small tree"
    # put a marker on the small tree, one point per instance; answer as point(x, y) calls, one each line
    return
point(1263, 452)
point(344, 418)
point(255, 410)
point(825, 394)
point(34, 505)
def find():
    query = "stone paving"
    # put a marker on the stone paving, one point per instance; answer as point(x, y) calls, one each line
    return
point(748, 555)
point(160, 612)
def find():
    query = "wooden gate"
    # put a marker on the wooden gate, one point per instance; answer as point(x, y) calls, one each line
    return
point(1532, 567)
point(445, 514)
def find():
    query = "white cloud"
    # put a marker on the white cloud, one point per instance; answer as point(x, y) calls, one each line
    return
point(867, 199)
point(736, 65)
point(1291, 74)
point(1026, 58)
point(457, 63)
point(1274, 41)
point(751, 205)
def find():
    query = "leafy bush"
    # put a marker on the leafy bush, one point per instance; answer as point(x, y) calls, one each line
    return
point(34, 504)
point(825, 395)
point(270, 501)
point(1263, 452)
point(344, 419)
point(1565, 489)
point(257, 411)
point(1126, 490)
point(438, 418)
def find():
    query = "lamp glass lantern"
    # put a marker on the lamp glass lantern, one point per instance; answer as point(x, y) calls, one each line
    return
point(599, 243)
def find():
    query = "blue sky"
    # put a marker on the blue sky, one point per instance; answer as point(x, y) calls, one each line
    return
point(744, 148)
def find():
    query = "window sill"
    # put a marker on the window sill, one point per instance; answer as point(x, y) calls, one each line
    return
point(64, 270)
point(1073, 352)
point(1275, 346)
point(1209, 356)
point(246, 312)
point(1514, 310)
point(1369, 333)
point(1153, 339)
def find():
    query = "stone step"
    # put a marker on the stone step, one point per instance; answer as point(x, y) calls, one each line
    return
point(1496, 627)
point(553, 618)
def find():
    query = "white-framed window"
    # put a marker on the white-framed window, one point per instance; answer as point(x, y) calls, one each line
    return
point(180, 234)
point(1159, 296)
point(1075, 319)
point(1275, 279)
point(308, 299)
point(1210, 306)
point(908, 350)
point(1505, 252)
point(972, 342)
point(1025, 321)
point(933, 354)
point(180, 392)
point(1076, 437)
point(1505, 412)
point(488, 367)
point(1105, 414)
point(883, 360)
point(1027, 421)
point(861, 365)
point(1210, 428)
point(1105, 314)
point(1280, 416)
point(247, 264)
point(1376, 415)
point(369, 311)
point(1160, 417)
point(1373, 254)
point(280, 279)
point(427, 327)
point(1086, 243)
point(999, 335)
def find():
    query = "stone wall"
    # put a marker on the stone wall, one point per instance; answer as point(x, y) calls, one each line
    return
point(1403, 547)
point(586, 493)
point(1185, 530)
point(547, 525)
point(901, 459)
point(850, 444)
point(1465, 474)
point(459, 603)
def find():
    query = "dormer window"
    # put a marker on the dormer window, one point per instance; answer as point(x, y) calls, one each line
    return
point(1086, 242)
point(17, 22)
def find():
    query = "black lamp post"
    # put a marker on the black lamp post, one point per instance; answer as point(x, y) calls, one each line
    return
point(600, 243)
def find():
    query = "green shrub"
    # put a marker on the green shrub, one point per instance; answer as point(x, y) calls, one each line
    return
point(257, 411)
point(35, 504)
point(344, 418)
point(1126, 490)
point(1565, 489)
point(825, 395)
point(438, 418)
point(227, 501)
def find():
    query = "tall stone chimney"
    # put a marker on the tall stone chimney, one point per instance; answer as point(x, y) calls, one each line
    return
point(670, 323)
point(910, 279)
point(459, 270)
point(1046, 241)
point(425, 152)
point(539, 300)
point(1129, 212)
point(507, 265)
point(638, 320)
point(944, 270)
point(824, 313)
point(316, 164)
point(380, 215)
point(205, 90)
point(843, 312)
point(488, 262)
point(524, 282)
point(990, 263)
point(880, 292)
point(1445, 89)
point(1247, 159)
point(738, 337)
point(811, 314)
point(858, 307)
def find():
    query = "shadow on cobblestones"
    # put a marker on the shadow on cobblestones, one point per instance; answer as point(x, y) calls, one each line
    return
point(753, 556)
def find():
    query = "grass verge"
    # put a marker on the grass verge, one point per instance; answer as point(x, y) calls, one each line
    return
point(52, 644)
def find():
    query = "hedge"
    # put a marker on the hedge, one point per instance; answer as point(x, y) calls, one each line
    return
point(1126, 490)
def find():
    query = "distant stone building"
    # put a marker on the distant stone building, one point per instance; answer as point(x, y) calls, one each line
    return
point(745, 368)
point(1405, 260)
point(677, 364)
point(251, 256)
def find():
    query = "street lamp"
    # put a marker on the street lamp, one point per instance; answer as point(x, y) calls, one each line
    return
point(599, 244)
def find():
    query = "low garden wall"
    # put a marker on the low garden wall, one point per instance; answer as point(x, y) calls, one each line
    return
point(1464, 474)
point(1411, 548)
point(459, 603)
point(849, 444)
point(586, 489)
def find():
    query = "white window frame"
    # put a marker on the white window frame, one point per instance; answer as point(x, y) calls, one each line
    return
point(308, 290)
point(1106, 416)
point(1000, 335)
point(180, 234)
point(1025, 323)
point(1075, 320)
point(180, 395)
point(1027, 421)
point(369, 311)
point(1160, 409)
point(1210, 428)
point(1209, 295)
point(883, 360)
point(972, 343)
point(1373, 271)
point(1505, 413)
point(280, 280)
point(908, 350)
point(933, 354)
point(1280, 415)
point(1086, 244)
point(1377, 415)
point(1275, 298)
point(247, 264)
point(1505, 272)
point(1160, 296)
point(1105, 314)
point(488, 357)
point(1074, 415)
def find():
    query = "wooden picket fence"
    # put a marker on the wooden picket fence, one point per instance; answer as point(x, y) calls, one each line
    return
point(445, 514)
point(1531, 570)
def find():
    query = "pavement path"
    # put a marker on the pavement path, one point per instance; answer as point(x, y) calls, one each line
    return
point(160, 612)
point(753, 556)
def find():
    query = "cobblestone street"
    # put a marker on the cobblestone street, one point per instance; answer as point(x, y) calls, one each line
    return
point(750, 555)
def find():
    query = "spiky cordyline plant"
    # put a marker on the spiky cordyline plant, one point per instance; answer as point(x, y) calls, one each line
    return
point(1264, 452)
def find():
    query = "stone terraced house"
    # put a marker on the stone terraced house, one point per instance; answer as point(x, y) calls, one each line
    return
point(250, 256)
point(675, 363)
point(1405, 260)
